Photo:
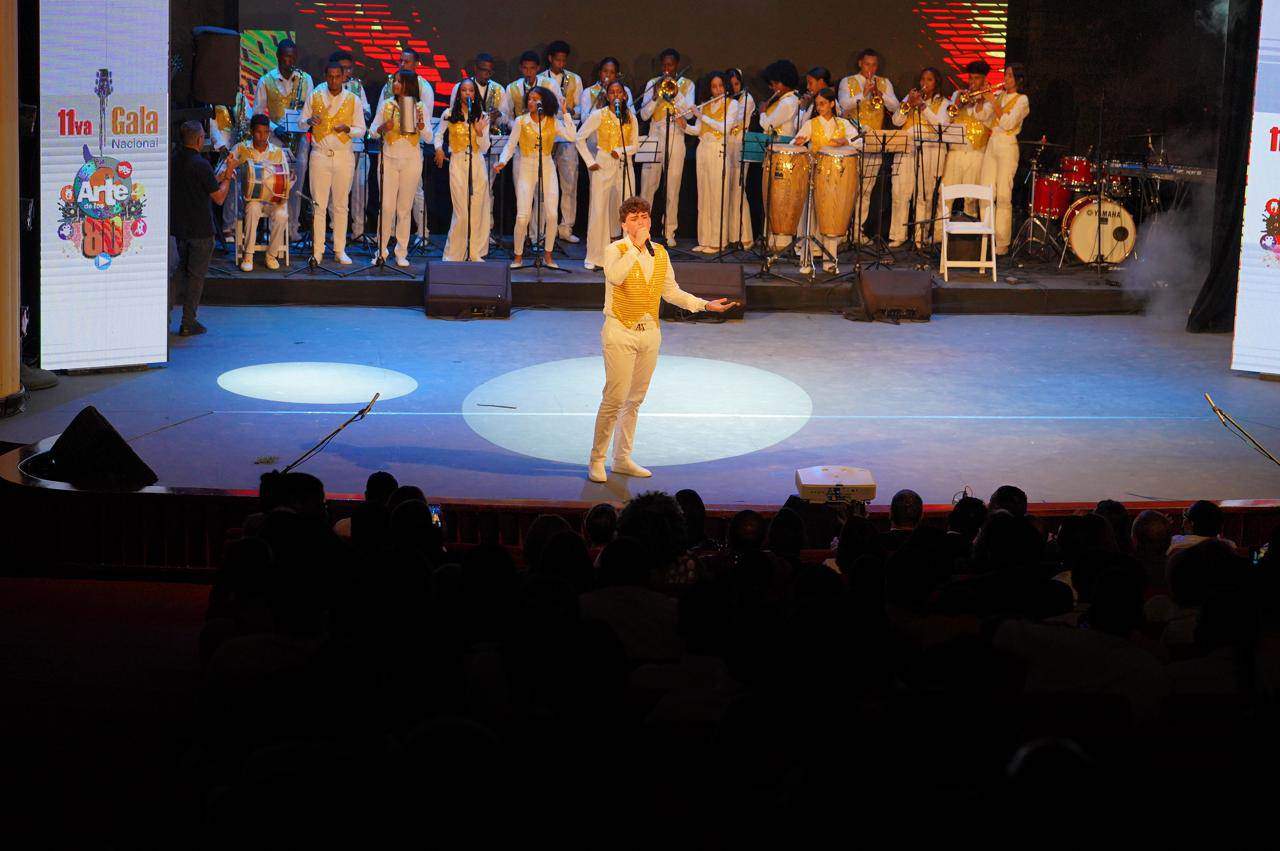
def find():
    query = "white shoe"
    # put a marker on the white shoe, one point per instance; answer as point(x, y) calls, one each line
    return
point(831, 269)
point(317, 259)
point(550, 264)
point(343, 258)
point(595, 472)
point(671, 242)
point(897, 243)
point(570, 237)
point(402, 262)
point(246, 266)
point(627, 467)
point(272, 262)
point(806, 270)
point(516, 264)
point(588, 265)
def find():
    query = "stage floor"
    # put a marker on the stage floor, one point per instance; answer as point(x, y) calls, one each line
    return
point(1070, 408)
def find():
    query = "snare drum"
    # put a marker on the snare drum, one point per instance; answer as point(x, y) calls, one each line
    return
point(1081, 231)
point(1077, 172)
point(1050, 196)
point(835, 184)
point(786, 186)
point(265, 181)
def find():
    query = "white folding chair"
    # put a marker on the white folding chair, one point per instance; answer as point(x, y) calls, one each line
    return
point(984, 227)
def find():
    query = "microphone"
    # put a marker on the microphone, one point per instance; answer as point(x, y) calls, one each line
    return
point(649, 245)
point(617, 108)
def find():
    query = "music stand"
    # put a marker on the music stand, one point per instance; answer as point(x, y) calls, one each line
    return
point(496, 145)
point(876, 147)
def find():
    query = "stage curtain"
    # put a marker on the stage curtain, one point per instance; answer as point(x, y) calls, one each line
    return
point(1214, 309)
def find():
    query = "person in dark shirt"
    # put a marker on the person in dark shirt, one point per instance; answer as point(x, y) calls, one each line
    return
point(191, 220)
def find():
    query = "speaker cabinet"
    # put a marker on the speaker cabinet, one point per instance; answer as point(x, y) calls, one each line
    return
point(215, 75)
point(90, 453)
point(893, 296)
point(467, 290)
point(711, 281)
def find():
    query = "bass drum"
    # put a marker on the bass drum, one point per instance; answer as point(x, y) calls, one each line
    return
point(786, 186)
point(1081, 232)
point(265, 181)
point(835, 186)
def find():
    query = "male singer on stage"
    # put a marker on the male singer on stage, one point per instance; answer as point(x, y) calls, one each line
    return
point(360, 181)
point(280, 90)
point(638, 276)
point(409, 62)
point(567, 86)
point(655, 109)
point(867, 99)
point(334, 116)
point(258, 148)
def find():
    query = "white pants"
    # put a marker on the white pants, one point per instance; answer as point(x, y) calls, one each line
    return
point(870, 173)
point(713, 189)
point(526, 177)
point(651, 173)
point(998, 168)
point(630, 356)
point(401, 176)
point(964, 165)
point(602, 214)
point(360, 194)
point(277, 225)
point(299, 168)
point(738, 208)
point(455, 247)
point(908, 185)
point(566, 156)
point(330, 183)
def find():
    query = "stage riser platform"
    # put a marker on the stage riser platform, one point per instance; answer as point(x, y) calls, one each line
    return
point(569, 294)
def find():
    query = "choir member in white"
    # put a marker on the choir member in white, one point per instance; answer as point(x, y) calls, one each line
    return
point(409, 62)
point(534, 134)
point(567, 87)
point(779, 117)
point(973, 112)
point(825, 130)
point(334, 116)
point(466, 128)
point(916, 174)
point(360, 180)
point(607, 141)
point(867, 98)
point(712, 122)
point(401, 163)
point(739, 210)
point(666, 136)
point(282, 93)
point(1009, 108)
point(593, 97)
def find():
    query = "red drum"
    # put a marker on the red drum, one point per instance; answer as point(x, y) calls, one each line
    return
point(1050, 197)
point(1077, 171)
point(266, 181)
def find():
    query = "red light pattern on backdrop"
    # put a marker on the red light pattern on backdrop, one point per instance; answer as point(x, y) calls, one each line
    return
point(967, 31)
point(380, 36)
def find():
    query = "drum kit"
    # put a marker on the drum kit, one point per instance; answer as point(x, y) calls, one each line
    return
point(825, 183)
point(1080, 208)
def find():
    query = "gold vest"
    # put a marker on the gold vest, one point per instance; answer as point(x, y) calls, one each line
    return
point(529, 137)
point(869, 116)
point(820, 139)
point(917, 116)
point(222, 118)
point(515, 93)
point(594, 92)
point(459, 136)
point(714, 115)
point(391, 125)
point(635, 296)
point(278, 101)
point(608, 137)
point(976, 132)
point(322, 123)
point(245, 151)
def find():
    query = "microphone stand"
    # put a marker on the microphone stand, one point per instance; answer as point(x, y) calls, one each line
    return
point(471, 140)
point(626, 158)
point(539, 214)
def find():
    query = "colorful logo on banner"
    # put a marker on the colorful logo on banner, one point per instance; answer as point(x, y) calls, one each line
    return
point(102, 208)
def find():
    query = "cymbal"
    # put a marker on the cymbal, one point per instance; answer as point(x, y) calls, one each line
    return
point(1037, 143)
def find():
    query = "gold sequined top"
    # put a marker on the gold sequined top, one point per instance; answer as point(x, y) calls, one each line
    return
point(636, 297)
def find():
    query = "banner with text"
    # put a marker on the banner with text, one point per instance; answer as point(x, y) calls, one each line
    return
point(1256, 347)
point(104, 182)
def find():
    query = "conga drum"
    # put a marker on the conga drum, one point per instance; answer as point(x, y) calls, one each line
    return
point(786, 186)
point(266, 181)
point(835, 188)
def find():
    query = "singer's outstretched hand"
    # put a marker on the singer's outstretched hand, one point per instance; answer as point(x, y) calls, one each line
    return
point(721, 305)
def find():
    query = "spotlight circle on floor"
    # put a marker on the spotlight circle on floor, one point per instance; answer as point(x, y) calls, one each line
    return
point(316, 382)
point(697, 410)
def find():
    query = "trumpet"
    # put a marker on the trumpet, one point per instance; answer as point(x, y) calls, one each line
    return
point(966, 98)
